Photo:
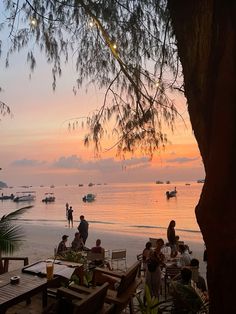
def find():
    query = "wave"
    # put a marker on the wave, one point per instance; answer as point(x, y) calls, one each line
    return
point(62, 220)
point(104, 223)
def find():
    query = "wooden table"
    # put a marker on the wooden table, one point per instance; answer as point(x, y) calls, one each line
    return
point(28, 286)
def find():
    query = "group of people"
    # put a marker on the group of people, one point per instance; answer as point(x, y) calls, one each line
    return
point(154, 261)
point(80, 238)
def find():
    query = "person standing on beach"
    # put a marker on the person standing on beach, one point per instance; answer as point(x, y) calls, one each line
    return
point(70, 217)
point(83, 228)
point(172, 238)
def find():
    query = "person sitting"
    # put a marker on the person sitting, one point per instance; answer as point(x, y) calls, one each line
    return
point(62, 248)
point(77, 244)
point(146, 253)
point(186, 299)
point(197, 278)
point(100, 250)
point(178, 242)
point(185, 258)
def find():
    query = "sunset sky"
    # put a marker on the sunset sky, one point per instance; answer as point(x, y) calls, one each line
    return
point(37, 148)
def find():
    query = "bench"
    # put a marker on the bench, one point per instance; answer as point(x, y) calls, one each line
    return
point(128, 283)
point(79, 299)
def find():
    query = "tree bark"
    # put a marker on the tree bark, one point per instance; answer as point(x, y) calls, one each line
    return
point(206, 38)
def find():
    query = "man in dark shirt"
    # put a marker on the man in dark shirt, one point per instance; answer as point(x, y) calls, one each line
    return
point(83, 228)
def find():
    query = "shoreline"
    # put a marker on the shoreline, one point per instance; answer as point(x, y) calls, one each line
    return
point(41, 240)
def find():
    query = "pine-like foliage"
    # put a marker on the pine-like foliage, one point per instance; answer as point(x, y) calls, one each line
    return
point(124, 46)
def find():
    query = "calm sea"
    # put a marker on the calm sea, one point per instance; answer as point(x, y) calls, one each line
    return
point(137, 209)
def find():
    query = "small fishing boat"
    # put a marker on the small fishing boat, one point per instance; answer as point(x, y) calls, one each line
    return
point(201, 181)
point(90, 184)
point(170, 194)
point(28, 196)
point(49, 198)
point(6, 197)
point(89, 197)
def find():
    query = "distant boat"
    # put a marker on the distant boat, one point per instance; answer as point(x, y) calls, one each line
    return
point(49, 198)
point(52, 186)
point(28, 196)
point(81, 185)
point(159, 182)
point(167, 182)
point(201, 181)
point(6, 197)
point(170, 194)
point(90, 184)
point(187, 183)
point(89, 197)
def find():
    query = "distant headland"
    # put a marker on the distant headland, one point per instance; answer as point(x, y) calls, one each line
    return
point(3, 184)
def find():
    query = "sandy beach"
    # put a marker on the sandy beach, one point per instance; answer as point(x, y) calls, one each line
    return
point(40, 241)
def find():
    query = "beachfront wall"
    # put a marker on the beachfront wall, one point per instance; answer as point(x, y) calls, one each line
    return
point(206, 35)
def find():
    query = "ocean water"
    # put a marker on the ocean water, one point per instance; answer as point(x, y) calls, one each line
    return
point(136, 209)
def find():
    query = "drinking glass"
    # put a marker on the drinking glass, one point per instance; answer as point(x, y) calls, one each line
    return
point(49, 270)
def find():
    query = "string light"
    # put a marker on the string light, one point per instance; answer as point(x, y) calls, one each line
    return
point(33, 21)
point(157, 84)
point(114, 46)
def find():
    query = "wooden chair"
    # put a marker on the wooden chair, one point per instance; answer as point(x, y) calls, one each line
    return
point(80, 300)
point(171, 272)
point(127, 285)
point(6, 261)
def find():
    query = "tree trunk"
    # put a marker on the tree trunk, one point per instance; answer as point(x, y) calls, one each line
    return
point(206, 39)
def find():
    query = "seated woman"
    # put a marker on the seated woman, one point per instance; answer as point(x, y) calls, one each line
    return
point(77, 244)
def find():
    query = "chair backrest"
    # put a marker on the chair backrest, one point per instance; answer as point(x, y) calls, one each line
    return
point(93, 302)
point(153, 242)
point(77, 299)
point(172, 272)
point(118, 254)
point(128, 278)
point(91, 256)
point(6, 261)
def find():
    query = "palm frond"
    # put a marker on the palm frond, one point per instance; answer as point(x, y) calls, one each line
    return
point(11, 235)
point(15, 213)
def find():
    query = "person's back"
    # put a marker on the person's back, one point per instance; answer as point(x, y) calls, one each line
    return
point(77, 244)
point(197, 278)
point(83, 228)
point(185, 259)
point(98, 249)
point(62, 248)
point(186, 299)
